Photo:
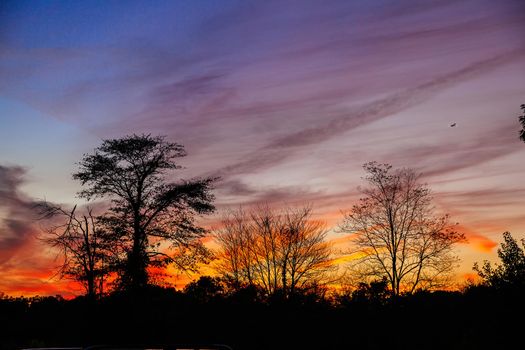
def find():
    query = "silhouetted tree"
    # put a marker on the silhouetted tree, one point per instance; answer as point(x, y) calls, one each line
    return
point(84, 246)
point(511, 271)
point(205, 288)
point(375, 291)
point(236, 256)
point(147, 209)
point(397, 234)
point(277, 251)
point(521, 119)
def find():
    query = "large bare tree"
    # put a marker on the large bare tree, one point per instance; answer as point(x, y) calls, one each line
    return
point(397, 233)
point(279, 251)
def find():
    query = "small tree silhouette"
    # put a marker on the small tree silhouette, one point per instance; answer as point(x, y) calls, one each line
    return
point(83, 244)
point(521, 119)
point(511, 271)
point(205, 288)
point(376, 291)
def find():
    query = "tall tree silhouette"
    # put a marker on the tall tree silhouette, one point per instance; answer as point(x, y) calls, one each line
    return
point(511, 271)
point(279, 251)
point(397, 234)
point(521, 119)
point(146, 209)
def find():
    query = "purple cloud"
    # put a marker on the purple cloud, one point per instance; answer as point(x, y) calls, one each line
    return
point(16, 215)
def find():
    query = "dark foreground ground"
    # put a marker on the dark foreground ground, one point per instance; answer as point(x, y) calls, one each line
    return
point(480, 318)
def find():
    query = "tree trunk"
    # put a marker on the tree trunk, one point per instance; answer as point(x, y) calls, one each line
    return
point(91, 286)
point(137, 276)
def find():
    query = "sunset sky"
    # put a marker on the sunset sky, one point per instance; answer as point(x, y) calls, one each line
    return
point(285, 100)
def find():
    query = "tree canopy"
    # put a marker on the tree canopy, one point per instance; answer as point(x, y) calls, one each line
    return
point(147, 209)
point(511, 271)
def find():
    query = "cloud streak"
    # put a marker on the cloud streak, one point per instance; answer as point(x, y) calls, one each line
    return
point(277, 150)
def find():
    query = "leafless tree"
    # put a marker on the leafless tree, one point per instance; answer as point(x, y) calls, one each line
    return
point(397, 234)
point(83, 245)
point(279, 251)
point(236, 241)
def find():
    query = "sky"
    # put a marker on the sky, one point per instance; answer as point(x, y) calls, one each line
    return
point(284, 100)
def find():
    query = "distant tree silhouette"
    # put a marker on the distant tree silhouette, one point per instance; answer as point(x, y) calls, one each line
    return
point(205, 288)
point(375, 291)
point(147, 209)
point(521, 119)
point(83, 245)
point(397, 234)
point(511, 271)
point(278, 251)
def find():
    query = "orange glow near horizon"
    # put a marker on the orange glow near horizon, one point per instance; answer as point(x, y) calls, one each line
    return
point(477, 241)
point(40, 281)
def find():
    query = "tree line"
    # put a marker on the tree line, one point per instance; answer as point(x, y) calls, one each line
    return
point(148, 221)
point(279, 252)
point(209, 310)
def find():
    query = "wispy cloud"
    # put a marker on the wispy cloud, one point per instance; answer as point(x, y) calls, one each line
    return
point(26, 267)
point(278, 150)
point(16, 226)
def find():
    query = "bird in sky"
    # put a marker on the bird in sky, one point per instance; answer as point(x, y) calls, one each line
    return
point(452, 125)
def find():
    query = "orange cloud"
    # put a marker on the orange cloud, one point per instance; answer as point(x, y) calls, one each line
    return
point(344, 240)
point(28, 286)
point(347, 258)
point(482, 243)
point(478, 241)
